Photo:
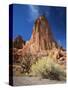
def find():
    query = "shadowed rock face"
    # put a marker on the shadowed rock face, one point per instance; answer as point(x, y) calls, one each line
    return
point(18, 42)
point(18, 45)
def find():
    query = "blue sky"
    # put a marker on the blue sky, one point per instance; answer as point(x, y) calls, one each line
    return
point(25, 15)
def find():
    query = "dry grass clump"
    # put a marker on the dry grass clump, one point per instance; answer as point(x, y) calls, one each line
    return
point(46, 67)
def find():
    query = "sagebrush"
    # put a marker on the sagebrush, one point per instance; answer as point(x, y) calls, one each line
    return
point(46, 67)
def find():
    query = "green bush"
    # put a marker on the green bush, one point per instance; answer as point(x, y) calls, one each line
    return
point(46, 67)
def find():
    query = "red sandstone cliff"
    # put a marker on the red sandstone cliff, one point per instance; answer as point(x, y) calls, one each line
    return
point(41, 42)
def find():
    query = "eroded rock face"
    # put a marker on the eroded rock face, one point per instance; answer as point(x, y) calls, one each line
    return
point(59, 55)
point(41, 39)
point(61, 58)
point(41, 43)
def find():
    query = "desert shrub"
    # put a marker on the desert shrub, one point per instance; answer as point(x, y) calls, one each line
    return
point(47, 68)
point(26, 63)
point(16, 70)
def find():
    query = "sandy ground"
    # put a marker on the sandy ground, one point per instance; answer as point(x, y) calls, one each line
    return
point(23, 81)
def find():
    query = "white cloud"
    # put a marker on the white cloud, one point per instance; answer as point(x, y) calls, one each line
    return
point(33, 13)
point(36, 11)
point(59, 42)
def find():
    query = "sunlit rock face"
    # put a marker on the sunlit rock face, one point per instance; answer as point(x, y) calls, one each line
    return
point(42, 38)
